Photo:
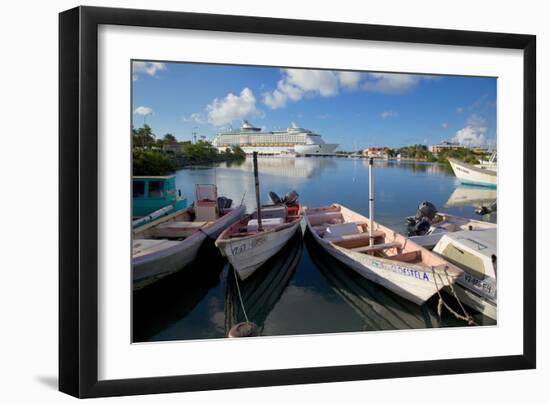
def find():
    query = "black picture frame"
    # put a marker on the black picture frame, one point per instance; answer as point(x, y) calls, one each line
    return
point(78, 206)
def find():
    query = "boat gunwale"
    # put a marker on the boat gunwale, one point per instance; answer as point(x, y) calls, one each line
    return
point(224, 239)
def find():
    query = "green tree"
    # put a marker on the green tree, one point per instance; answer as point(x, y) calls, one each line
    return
point(143, 137)
point(152, 162)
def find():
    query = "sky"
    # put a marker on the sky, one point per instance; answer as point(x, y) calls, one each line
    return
point(354, 109)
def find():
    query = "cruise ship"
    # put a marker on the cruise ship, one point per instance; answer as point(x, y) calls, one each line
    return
point(293, 141)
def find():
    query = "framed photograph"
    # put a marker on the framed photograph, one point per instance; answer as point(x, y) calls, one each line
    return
point(251, 201)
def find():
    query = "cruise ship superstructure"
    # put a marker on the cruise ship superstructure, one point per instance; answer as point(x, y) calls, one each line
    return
point(294, 140)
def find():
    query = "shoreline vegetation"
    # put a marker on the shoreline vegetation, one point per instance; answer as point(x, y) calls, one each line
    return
point(420, 152)
point(163, 156)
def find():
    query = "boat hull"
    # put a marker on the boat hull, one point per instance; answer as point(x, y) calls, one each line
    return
point(411, 281)
point(468, 174)
point(249, 253)
point(482, 305)
point(408, 281)
point(312, 149)
point(149, 268)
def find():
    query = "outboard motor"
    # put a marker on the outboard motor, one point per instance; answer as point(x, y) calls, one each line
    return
point(224, 203)
point(275, 198)
point(486, 209)
point(420, 223)
point(291, 197)
point(426, 209)
point(288, 199)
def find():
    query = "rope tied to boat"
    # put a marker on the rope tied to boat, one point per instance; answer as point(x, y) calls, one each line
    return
point(240, 296)
point(442, 303)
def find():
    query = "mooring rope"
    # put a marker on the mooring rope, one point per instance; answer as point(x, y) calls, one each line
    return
point(442, 303)
point(239, 293)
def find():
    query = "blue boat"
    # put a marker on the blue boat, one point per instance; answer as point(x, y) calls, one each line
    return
point(153, 197)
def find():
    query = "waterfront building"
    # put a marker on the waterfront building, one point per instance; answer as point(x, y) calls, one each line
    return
point(437, 148)
point(377, 152)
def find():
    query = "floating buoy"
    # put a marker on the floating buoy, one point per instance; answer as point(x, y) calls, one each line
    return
point(245, 329)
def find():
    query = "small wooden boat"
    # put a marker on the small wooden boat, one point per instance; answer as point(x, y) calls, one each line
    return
point(168, 244)
point(247, 247)
point(476, 175)
point(388, 258)
point(475, 252)
point(261, 291)
point(378, 307)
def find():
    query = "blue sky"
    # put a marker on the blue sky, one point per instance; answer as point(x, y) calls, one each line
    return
point(354, 109)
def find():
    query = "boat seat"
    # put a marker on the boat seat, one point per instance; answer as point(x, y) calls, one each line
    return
point(378, 247)
point(176, 229)
point(411, 256)
point(328, 217)
point(342, 229)
point(147, 246)
point(359, 236)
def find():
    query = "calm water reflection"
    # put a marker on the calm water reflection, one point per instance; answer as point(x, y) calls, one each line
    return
point(301, 290)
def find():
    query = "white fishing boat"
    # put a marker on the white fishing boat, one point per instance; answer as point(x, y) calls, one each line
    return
point(249, 243)
point(485, 175)
point(168, 244)
point(260, 235)
point(444, 223)
point(475, 253)
point(379, 253)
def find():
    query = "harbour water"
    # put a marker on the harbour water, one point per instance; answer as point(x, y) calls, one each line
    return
point(302, 290)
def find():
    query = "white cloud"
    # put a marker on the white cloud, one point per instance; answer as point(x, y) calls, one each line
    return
point(149, 68)
point(388, 114)
point(444, 125)
point(194, 117)
point(298, 83)
point(474, 134)
point(224, 111)
point(391, 83)
point(349, 79)
point(459, 110)
point(141, 110)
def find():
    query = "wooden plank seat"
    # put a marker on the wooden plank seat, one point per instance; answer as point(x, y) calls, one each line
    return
point(328, 217)
point(378, 247)
point(354, 240)
point(147, 246)
point(411, 256)
point(359, 236)
point(177, 229)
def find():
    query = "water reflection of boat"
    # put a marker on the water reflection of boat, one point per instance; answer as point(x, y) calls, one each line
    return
point(172, 299)
point(379, 308)
point(471, 196)
point(261, 291)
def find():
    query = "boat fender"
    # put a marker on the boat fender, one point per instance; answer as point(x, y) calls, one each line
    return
point(245, 329)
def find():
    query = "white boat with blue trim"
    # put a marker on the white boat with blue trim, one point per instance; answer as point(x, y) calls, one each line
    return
point(484, 173)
